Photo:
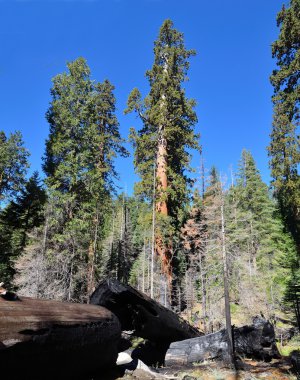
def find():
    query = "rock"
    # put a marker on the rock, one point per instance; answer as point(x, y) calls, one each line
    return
point(123, 358)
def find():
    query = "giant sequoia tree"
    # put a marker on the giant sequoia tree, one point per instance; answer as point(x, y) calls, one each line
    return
point(284, 148)
point(161, 144)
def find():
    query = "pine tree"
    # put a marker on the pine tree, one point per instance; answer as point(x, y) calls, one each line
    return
point(284, 148)
point(256, 240)
point(84, 138)
point(161, 144)
point(13, 164)
point(212, 247)
point(17, 220)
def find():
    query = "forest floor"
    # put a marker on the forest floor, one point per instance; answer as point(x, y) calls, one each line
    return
point(249, 370)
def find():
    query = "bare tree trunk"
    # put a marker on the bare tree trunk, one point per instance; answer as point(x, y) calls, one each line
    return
point(143, 266)
point(90, 269)
point(226, 289)
point(148, 266)
point(203, 288)
point(202, 176)
point(253, 247)
point(91, 256)
point(233, 196)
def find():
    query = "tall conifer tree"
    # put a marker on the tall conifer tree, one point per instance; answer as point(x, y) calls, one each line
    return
point(284, 148)
point(161, 144)
point(83, 141)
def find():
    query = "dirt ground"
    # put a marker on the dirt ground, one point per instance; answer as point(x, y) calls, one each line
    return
point(247, 370)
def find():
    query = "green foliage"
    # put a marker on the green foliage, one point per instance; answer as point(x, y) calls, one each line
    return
point(284, 148)
point(13, 164)
point(290, 261)
point(84, 136)
point(16, 220)
point(292, 345)
point(167, 115)
point(256, 237)
point(83, 141)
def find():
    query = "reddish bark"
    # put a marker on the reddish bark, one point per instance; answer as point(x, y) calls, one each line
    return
point(162, 183)
point(163, 250)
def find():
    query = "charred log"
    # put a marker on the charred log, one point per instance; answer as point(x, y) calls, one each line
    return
point(142, 315)
point(254, 341)
point(41, 339)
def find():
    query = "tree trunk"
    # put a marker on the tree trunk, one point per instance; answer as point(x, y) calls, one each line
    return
point(153, 235)
point(226, 290)
point(136, 311)
point(162, 180)
point(163, 249)
point(41, 339)
point(91, 257)
point(203, 288)
point(90, 270)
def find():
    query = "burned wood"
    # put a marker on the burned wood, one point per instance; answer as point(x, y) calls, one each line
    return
point(50, 339)
point(254, 341)
point(138, 312)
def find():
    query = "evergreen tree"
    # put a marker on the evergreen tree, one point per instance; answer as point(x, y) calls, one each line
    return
point(256, 240)
point(17, 220)
point(84, 133)
point(161, 144)
point(84, 139)
point(212, 252)
point(13, 164)
point(284, 148)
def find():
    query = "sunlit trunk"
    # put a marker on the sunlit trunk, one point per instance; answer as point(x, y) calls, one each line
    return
point(91, 257)
point(163, 248)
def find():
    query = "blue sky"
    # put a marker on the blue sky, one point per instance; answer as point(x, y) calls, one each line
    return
point(229, 77)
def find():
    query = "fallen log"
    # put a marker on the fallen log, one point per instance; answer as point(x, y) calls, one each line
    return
point(42, 339)
point(254, 341)
point(145, 317)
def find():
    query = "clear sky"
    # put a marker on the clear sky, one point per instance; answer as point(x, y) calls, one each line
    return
point(229, 77)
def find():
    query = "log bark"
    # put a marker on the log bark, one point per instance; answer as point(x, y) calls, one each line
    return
point(141, 314)
point(42, 339)
point(255, 341)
